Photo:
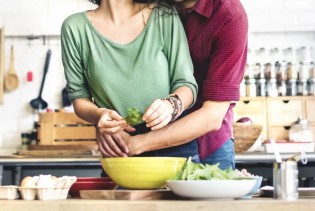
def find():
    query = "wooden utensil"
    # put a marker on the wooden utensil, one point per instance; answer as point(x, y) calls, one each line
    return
point(11, 81)
point(127, 194)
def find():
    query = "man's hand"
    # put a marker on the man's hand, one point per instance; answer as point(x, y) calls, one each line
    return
point(113, 145)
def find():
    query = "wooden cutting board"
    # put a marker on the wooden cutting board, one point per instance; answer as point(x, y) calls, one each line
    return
point(127, 194)
point(64, 147)
point(55, 152)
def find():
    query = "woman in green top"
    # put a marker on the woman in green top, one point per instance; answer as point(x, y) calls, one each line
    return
point(127, 54)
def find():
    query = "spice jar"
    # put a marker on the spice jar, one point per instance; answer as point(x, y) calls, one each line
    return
point(272, 89)
point(261, 87)
point(311, 86)
point(291, 87)
point(291, 71)
point(25, 141)
point(250, 87)
point(302, 87)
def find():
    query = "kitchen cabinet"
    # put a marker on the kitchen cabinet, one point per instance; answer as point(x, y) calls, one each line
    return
point(276, 114)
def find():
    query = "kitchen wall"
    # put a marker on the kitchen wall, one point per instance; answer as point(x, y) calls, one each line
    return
point(273, 23)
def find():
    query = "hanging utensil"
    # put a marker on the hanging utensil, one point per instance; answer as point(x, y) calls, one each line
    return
point(11, 81)
point(39, 103)
point(298, 156)
point(276, 151)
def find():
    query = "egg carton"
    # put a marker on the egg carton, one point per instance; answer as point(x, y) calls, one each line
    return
point(9, 192)
point(44, 193)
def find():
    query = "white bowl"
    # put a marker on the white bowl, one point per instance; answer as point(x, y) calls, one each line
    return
point(216, 189)
point(255, 188)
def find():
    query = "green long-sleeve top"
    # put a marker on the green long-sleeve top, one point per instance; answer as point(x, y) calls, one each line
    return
point(121, 76)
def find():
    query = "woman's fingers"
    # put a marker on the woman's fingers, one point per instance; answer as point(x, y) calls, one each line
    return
point(158, 114)
point(112, 145)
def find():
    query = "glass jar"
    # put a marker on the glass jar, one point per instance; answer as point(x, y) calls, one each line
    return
point(271, 86)
point(250, 87)
point(302, 87)
point(25, 141)
point(291, 87)
point(261, 87)
point(311, 86)
point(301, 131)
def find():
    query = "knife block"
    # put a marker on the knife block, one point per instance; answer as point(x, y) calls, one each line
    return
point(64, 129)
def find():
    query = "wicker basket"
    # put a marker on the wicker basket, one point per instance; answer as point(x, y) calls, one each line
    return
point(245, 135)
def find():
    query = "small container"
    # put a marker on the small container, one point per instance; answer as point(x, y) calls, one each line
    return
point(272, 89)
point(282, 88)
point(25, 141)
point(285, 180)
point(291, 87)
point(242, 89)
point(301, 131)
point(291, 71)
point(250, 87)
point(311, 86)
point(261, 87)
point(302, 87)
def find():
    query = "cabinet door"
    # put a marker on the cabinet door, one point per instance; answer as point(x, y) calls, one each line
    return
point(310, 110)
point(279, 133)
point(283, 112)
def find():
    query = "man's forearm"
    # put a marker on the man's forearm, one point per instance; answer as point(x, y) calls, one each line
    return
point(206, 119)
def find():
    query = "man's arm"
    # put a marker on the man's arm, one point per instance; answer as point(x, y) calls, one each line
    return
point(208, 118)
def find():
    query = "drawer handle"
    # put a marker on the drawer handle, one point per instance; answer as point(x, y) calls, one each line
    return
point(287, 127)
point(246, 101)
point(285, 101)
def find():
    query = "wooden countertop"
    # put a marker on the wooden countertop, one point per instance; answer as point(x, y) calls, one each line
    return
point(257, 204)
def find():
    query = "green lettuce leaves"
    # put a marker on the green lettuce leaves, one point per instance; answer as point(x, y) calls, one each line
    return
point(199, 171)
point(134, 116)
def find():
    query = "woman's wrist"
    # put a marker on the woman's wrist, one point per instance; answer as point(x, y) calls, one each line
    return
point(177, 105)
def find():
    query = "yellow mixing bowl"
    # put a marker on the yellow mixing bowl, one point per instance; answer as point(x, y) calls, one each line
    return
point(142, 172)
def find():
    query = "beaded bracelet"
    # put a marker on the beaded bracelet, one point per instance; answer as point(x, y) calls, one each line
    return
point(177, 104)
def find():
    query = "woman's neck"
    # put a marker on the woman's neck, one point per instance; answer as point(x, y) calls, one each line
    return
point(117, 11)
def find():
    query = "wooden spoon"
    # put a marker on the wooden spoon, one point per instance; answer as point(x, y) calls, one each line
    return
point(11, 81)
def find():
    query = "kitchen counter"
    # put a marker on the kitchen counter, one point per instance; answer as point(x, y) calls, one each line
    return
point(257, 204)
point(94, 160)
point(18, 163)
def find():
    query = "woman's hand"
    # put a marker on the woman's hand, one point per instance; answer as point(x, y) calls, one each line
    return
point(158, 114)
point(111, 122)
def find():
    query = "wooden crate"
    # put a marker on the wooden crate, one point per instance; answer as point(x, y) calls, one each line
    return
point(65, 128)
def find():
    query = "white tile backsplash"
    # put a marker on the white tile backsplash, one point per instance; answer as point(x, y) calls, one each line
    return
point(272, 23)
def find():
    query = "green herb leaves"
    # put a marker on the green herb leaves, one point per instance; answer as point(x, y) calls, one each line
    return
point(199, 171)
point(134, 116)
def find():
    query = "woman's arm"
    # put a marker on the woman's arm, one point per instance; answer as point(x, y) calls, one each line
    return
point(208, 118)
point(107, 121)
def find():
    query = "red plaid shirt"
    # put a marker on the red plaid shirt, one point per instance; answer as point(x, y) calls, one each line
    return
point(217, 33)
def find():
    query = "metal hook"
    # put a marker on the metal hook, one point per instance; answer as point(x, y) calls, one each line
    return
point(303, 158)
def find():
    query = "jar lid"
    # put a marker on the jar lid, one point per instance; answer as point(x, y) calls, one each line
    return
point(301, 121)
